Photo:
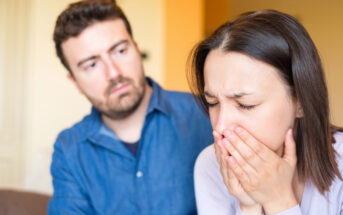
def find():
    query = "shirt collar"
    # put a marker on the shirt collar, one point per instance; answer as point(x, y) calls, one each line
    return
point(159, 98)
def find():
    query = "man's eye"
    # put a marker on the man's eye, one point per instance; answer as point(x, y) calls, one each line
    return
point(246, 107)
point(121, 51)
point(90, 66)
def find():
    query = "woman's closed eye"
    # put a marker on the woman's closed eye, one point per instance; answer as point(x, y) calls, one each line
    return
point(211, 103)
point(246, 106)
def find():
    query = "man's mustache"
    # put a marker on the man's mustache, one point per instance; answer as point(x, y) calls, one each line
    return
point(114, 83)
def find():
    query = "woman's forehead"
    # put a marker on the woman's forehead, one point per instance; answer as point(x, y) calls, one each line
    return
point(235, 73)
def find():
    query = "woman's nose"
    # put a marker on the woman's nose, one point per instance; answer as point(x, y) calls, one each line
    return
point(226, 119)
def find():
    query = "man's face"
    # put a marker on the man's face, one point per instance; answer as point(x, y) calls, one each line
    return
point(107, 68)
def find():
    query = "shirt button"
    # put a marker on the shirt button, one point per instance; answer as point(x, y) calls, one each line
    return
point(139, 174)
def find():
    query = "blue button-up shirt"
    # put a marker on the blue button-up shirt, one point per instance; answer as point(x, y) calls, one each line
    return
point(94, 173)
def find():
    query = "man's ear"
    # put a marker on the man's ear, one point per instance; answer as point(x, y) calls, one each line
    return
point(72, 79)
point(299, 110)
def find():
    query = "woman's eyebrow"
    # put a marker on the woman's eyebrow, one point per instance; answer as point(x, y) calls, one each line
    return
point(238, 95)
point(207, 94)
point(231, 95)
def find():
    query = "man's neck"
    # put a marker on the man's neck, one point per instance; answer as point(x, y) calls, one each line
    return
point(129, 129)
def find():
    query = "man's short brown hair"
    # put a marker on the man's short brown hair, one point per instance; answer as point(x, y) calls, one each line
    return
point(80, 15)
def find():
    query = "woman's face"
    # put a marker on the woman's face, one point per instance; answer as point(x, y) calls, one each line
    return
point(243, 91)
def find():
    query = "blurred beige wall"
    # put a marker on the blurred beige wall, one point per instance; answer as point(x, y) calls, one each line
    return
point(13, 23)
point(323, 20)
point(52, 101)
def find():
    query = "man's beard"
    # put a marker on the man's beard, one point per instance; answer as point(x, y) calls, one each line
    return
point(123, 105)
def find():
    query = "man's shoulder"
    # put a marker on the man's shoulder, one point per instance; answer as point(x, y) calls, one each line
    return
point(178, 94)
point(183, 100)
point(77, 132)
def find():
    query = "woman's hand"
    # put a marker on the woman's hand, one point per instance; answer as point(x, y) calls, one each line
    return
point(262, 174)
point(247, 204)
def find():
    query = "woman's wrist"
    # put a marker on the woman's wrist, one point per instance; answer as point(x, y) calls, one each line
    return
point(251, 209)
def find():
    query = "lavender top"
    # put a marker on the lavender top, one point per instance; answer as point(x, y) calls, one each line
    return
point(212, 196)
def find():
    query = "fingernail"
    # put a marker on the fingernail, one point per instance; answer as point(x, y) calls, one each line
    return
point(239, 130)
point(291, 132)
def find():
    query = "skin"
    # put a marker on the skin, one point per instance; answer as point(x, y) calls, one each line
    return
point(252, 112)
point(107, 69)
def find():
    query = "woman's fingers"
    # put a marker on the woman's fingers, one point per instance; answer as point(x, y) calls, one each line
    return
point(235, 187)
point(262, 151)
point(290, 155)
point(232, 182)
point(218, 152)
point(223, 151)
point(247, 158)
point(216, 135)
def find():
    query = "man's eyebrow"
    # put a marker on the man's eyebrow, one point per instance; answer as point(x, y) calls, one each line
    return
point(94, 56)
point(118, 44)
point(85, 60)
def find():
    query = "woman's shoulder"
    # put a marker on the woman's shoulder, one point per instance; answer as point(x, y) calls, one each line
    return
point(338, 145)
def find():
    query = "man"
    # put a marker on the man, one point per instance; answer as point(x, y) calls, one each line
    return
point(134, 153)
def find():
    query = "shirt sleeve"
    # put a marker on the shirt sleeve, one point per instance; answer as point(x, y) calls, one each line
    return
point(68, 197)
point(212, 196)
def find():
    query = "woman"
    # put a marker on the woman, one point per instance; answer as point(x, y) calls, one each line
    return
point(261, 81)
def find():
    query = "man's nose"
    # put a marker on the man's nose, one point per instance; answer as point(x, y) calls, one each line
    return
point(112, 69)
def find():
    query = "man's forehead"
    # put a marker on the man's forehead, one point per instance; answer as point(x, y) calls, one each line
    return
point(98, 37)
point(101, 30)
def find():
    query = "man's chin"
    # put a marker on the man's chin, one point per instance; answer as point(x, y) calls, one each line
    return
point(118, 114)
point(120, 111)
